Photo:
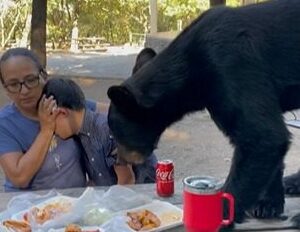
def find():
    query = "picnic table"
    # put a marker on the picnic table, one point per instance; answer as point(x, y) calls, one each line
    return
point(292, 207)
point(91, 43)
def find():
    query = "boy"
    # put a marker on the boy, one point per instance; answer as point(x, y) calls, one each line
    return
point(92, 132)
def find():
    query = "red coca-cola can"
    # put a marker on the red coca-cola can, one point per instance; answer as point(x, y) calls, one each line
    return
point(165, 178)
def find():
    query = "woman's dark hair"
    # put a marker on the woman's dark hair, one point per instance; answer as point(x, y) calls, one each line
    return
point(13, 52)
point(142, 58)
point(66, 93)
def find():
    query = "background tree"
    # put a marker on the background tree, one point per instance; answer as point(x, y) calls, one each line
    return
point(12, 20)
point(113, 19)
point(217, 2)
point(61, 17)
point(38, 29)
point(172, 11)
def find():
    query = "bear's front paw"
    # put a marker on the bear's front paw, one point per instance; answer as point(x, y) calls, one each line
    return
point(296, 220)
point(239, 213)
point(292, 184)
point(267, 208)
point(227, 228)
point(239, 216)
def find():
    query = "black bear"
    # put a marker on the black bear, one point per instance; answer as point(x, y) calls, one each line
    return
point(243, 66)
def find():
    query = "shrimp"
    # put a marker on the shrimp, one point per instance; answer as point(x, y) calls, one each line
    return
point(143, 220)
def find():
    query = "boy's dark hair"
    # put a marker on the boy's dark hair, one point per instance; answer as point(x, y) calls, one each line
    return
point(13, 52)
point(142, 58)
point(66, 93)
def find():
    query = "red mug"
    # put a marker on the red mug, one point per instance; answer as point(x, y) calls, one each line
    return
point(203, 204)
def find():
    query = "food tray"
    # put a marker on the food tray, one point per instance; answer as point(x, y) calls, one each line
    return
point(169, 215)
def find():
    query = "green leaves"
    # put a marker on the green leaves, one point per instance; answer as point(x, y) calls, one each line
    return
point(112, 19)
point(171, 11)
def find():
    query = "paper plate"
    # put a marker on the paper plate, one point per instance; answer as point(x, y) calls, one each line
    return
point(169, 215)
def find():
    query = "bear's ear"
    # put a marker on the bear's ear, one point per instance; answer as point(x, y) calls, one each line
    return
point(123, 99)
point(121, 96)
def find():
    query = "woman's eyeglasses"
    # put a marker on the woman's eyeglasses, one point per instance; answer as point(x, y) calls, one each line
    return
point(30, 82)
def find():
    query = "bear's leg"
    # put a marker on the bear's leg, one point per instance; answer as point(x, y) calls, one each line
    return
point(271, 203)
point(296, 220)
point(292, 184)
point(259, 151)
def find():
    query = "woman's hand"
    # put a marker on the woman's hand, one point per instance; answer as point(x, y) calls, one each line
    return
point(47, 113)
point(20, 167)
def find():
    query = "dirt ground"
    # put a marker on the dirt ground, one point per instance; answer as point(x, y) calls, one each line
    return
point(195, 144)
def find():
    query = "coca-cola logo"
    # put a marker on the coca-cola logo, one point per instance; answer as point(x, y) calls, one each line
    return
point(164, 175)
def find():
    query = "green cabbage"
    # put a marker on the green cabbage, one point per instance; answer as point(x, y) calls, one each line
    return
point(97, 216)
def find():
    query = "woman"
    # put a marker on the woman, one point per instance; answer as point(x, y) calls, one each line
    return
point(31, 156)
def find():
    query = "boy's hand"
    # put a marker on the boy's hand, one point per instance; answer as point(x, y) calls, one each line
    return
point(125, 174)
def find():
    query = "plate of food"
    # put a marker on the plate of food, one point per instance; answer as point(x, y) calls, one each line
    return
point(156, 216)
point(50, 209)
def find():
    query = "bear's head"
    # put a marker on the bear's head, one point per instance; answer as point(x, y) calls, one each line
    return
point(132, 125)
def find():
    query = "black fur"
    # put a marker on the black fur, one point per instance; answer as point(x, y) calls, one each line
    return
point(243, 66)
point(292, 184)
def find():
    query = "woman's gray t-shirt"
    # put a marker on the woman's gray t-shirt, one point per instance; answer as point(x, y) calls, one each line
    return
point(62, 166)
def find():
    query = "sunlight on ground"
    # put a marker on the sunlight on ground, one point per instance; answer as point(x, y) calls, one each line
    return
point(122, 50)
point(86, 82)
point(111, 51)
point(116, 62)
point(175, 135)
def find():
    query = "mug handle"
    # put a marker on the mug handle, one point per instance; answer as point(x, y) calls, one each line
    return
point(230, 199)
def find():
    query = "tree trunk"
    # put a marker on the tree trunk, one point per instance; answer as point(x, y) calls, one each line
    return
point(24, 40)
point(217, 2)
point(153, 16)
point(6, 36)
point(2, 30)
point(38, 29)
point(12, 30)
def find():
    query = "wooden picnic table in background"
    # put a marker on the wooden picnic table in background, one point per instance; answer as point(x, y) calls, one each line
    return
point(292, 207)
point(92, 43)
